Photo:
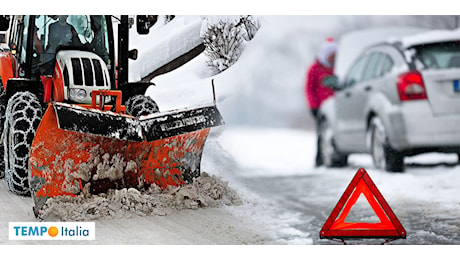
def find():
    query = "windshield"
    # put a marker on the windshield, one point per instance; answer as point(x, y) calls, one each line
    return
point(81, 31)
point(438, 56)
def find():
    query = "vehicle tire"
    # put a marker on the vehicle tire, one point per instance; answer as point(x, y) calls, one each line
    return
point(383, 155)
point(23, 115)
point(141, 105)
point(327, 150)
point(2, 122)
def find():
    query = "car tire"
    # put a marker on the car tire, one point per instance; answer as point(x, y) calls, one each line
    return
point(23, 115)
point(330, 157)
point(383, 155)
point(141, 105)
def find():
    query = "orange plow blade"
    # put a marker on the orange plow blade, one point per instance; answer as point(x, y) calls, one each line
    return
point(79, 150)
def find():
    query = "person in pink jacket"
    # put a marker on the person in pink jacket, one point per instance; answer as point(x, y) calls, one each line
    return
point(316, 93)
point(323, 66)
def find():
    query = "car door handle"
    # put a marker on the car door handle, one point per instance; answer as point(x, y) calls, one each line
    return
point(367, 88)
point(347, 94)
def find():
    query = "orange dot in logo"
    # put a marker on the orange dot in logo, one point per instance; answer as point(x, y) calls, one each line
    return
point(52, 231)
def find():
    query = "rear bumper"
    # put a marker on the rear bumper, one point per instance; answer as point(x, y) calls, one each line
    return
point(413, 127)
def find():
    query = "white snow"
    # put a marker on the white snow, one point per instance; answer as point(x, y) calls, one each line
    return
point(164, 43)
point(431, 37)
point(271, 150)
point(268, 132)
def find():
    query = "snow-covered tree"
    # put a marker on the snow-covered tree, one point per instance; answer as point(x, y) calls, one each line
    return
point(251, 25)
point(223, 38)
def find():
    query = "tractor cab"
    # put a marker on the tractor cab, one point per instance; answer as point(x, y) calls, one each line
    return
point(36, 39)
point(65, 57)
point(66, 32)
point(70, 55)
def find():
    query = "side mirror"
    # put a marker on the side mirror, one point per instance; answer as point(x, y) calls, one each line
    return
point(142, 24)
point(331, 82)
point(132, 54)
point(4, 22)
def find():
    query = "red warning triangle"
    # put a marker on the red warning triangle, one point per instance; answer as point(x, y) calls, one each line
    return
point(388, 227)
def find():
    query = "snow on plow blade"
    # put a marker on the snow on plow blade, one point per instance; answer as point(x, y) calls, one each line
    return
point(82, 150)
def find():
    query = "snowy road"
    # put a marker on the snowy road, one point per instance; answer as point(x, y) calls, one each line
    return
point(303, 203)
point(300, 197)
point(210, 226)
point(285, 199)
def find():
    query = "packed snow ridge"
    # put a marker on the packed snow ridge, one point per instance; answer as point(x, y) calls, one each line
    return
point(205, 191)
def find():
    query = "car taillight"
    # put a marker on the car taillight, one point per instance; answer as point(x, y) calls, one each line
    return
point(411, 86)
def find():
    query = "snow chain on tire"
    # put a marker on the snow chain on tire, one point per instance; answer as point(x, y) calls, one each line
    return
point(141, 105)
point(23, 115)
point(2, 122)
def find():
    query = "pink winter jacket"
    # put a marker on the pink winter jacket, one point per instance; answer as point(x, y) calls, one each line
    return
point(315, 92)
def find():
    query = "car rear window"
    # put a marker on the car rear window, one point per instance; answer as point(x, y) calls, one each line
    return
point(440, 55)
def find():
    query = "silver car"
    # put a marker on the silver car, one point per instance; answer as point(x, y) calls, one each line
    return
point(398, 99)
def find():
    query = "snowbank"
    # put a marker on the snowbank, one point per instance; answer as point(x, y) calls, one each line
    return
point(164, 43)
point(206, 191)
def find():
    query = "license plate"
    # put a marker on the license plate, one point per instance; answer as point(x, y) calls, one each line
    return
point(456, 85)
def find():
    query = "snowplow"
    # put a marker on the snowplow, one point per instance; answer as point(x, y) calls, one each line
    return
point(74, 125)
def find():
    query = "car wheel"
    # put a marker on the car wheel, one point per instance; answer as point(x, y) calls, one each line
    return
point(383, 155)
point(329, 154)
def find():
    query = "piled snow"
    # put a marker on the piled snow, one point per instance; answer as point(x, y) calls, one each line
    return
point(206, 191)
point(270, 149)
point(164, 43)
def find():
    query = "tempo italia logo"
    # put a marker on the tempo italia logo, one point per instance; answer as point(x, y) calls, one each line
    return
point(52, 231)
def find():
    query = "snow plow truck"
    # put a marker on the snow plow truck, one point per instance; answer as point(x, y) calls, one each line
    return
point(72, 123)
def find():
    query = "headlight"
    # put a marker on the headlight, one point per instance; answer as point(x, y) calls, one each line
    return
point(77, 93)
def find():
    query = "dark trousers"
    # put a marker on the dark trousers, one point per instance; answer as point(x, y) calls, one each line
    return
point(318, 159)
